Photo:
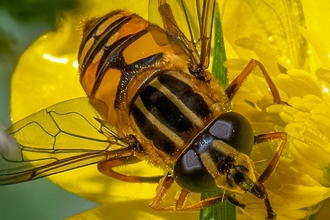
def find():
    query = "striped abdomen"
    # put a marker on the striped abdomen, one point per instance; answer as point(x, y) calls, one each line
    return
point(116, 50)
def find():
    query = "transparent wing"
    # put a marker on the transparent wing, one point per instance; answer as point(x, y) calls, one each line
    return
point(62, 137)
point(207, 14)
point(188, 24)
point(181, 19)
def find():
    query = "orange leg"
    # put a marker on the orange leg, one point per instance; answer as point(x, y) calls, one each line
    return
point(271, 166)
point(182, 198)
point(106, 167)
point(237, 82)
point(274, 161)
point(270, 212)
point(122, 157)
point(207, 202)
point(179, 206)
point(166, 184)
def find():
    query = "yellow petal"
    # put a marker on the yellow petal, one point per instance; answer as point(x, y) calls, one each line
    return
point(317, 32)
point(121, 208)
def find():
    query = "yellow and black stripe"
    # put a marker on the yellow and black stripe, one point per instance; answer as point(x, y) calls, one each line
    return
point(108, 52)
point(169, 112)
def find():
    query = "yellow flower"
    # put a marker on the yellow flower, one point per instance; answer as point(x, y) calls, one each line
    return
point(301, 181)
point(47, 72)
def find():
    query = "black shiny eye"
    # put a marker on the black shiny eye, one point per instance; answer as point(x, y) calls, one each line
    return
point(190, 173)
point(235, 130)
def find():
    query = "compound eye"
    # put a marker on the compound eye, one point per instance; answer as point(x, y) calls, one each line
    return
point(235, 130)
point(191, 174)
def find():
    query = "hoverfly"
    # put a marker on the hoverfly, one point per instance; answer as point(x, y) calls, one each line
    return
point(154, 100)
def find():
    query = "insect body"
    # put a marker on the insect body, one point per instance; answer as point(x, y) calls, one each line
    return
point(153, 86)
point(155, 97)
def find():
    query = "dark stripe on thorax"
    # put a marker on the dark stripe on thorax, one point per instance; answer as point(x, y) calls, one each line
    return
point(151, 132)
point(165, 110)
point(186, 94)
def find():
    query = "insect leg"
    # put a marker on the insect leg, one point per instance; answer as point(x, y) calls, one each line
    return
point(166, 184)
point(237, 82)
point(179, 206)
point(274, 161)
point(270, 212)
point(270, 168)
point(125, 156)
point(180, 202)
point(259, 190)
point(211, 201)
point(201, 204)
point(106, 167)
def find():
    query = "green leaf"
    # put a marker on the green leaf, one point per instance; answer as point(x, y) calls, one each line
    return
point(220, 211)
point(219, 54)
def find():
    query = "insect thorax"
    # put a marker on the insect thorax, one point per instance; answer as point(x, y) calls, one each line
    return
point(170, 110)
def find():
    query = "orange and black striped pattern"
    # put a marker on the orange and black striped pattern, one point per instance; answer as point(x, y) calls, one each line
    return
point(159, 99)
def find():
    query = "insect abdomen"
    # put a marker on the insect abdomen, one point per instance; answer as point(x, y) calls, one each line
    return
point(115, 49)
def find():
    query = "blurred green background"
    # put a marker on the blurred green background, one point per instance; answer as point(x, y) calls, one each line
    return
point(21, 22)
